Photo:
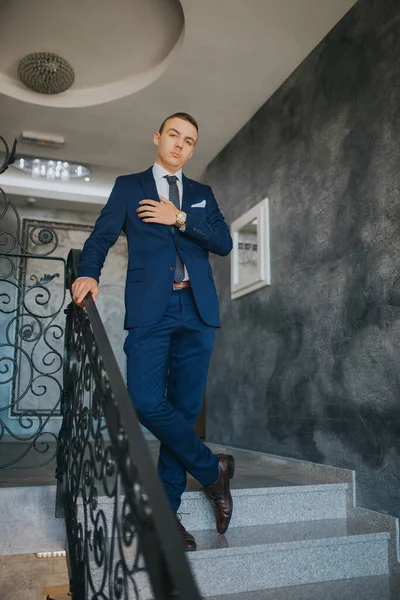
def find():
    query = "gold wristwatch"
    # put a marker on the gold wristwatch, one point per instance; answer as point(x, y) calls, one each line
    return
point(180, 219)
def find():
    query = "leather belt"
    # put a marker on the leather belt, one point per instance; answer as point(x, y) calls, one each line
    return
point(181, 285)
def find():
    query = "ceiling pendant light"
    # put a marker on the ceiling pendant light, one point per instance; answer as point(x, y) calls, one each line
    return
point(46, 73)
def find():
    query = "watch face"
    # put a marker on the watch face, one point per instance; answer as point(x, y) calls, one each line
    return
point(180, 219)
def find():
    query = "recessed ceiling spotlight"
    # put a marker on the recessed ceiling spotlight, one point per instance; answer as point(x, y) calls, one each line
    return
point(87, 178)
point(31, 200)
point(52, 170)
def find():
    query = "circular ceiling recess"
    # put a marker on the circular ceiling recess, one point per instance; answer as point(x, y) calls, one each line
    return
point(59, 54)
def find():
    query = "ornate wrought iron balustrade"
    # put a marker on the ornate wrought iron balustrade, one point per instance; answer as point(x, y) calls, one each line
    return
point(32, 295)
point(123, 542)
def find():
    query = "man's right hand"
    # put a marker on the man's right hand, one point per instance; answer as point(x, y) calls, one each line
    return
point(81, 287)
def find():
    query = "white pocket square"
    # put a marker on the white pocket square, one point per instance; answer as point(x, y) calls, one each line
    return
point(199, 204)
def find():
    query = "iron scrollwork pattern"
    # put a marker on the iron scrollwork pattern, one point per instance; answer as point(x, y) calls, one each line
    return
point(122, 540)
point(105, 552)
point(31, 335)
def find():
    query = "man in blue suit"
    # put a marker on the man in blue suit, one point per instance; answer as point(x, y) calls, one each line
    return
point(172, 223)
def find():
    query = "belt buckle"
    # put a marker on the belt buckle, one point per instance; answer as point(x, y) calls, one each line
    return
point(180, 285)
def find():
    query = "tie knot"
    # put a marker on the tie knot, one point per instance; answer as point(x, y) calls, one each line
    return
point(171, 179)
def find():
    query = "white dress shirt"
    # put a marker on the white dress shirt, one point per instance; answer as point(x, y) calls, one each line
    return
point(162, 185)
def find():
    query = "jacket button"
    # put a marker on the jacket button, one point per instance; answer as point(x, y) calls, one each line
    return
point(172, 268)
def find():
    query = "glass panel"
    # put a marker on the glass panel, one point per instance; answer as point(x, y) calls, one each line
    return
point(248, 254)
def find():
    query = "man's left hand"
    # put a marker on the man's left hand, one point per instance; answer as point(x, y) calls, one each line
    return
point(163, 212)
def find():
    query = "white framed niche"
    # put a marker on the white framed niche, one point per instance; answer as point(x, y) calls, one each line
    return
point(250, 256)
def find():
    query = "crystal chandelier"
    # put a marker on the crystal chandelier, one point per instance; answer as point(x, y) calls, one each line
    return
point(52, 170)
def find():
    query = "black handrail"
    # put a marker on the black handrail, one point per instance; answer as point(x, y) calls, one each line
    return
point(145, 541)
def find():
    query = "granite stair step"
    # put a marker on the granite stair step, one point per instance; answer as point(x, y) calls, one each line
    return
point(252, 567)
point(261, 506)
point(209, 539)
point(269, 505)
point(249, 559)
point(363, 588)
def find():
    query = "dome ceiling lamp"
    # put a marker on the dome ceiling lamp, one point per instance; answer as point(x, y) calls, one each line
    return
point(46, 73)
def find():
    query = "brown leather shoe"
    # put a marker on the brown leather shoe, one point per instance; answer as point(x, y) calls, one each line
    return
point(219, 493)
point(188, 540)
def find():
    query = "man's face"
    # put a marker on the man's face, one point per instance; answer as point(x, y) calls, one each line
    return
point(175, 144)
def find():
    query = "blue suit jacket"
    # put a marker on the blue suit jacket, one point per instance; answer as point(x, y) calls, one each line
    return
point(152, 248)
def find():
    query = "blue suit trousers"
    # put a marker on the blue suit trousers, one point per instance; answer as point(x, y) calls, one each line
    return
point(167, 367)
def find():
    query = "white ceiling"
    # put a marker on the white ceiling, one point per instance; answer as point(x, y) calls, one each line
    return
point(221, 67)
point(115, 48)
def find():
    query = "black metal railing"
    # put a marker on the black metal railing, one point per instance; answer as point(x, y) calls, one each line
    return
point(123, 541)
point(32, 297)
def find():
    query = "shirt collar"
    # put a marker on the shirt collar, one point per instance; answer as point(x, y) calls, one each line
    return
point(159, 172)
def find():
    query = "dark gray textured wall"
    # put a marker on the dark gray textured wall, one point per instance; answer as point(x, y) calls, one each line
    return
point(310, 366)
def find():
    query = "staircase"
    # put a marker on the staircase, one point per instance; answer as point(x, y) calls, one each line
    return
point(281, 537)
point(295, 534)
point(289, 540)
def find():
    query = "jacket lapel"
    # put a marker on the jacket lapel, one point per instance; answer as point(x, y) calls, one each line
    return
point(189, 193)
point(149, 185)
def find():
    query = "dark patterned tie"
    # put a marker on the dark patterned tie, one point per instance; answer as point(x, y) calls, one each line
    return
point(174, 197)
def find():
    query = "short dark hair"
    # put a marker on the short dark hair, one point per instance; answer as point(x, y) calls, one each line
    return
point(180, 115)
